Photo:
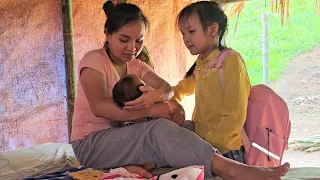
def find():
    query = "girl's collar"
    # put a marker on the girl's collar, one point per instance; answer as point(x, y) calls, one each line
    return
point(214, 54)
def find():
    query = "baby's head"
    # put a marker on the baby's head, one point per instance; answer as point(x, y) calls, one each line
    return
point(127, 89)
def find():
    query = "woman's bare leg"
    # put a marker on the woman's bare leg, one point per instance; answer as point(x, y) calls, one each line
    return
point(232, 170)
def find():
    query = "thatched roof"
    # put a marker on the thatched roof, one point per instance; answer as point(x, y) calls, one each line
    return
point(234, 7)
point(281, 6)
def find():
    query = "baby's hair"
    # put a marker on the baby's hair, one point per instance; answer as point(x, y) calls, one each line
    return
point(209, 12)
point(125, 90)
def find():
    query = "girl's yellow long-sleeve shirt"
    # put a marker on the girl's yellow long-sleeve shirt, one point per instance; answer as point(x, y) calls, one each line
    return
point(218, 114)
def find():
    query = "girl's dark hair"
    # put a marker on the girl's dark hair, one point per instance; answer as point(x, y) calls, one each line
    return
point(209, 12)
point(120, 15)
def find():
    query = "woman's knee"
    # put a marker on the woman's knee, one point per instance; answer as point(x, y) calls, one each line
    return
point(162, 124)
point(165, 129)
point(158, 122)
point(188, 124)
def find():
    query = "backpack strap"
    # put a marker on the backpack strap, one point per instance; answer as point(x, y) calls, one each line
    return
point(221, 78)
point(244, 137)
point(218, 63)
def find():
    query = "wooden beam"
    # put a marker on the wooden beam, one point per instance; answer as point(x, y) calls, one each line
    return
point(69, 59)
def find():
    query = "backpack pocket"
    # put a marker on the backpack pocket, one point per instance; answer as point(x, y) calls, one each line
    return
point(266, 148)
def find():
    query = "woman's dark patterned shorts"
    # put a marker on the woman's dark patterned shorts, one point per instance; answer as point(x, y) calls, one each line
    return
point(237, 155)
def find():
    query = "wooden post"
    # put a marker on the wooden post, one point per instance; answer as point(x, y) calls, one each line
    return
point(265, 49)
point(69, 58)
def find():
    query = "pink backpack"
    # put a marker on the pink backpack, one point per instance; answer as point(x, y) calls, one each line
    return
point(267, 128)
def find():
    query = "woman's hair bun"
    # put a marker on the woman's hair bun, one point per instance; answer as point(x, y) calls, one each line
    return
point(107, 7)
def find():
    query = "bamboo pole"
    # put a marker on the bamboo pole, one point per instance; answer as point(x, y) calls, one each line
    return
point(69, 58)
point(265, 48)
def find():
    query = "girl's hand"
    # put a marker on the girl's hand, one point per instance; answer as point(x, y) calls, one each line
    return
point(160, 110)
point(148, 98)
point(178, 115)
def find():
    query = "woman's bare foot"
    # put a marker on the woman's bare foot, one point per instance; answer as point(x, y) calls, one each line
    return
point(232, 170)
point(244, 172)
point(141, 170)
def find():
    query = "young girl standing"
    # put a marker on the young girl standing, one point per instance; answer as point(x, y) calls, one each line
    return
point(219, 114)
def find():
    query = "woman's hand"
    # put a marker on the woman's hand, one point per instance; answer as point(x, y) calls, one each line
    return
point(160, 110)
point(178, 115)
point(148, 98)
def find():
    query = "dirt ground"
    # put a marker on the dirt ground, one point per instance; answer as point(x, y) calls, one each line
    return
point(299, 86)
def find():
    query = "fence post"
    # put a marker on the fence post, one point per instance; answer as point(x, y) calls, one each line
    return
point(265, 49)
